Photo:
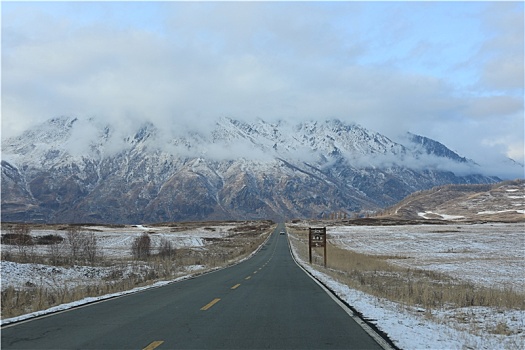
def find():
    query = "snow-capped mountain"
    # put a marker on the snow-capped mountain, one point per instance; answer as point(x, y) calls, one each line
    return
point(71, 170)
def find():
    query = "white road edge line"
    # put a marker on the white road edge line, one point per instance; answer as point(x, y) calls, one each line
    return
point(379, 339)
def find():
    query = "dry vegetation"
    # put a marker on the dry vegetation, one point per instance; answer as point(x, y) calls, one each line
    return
point(426, 290)
point(500, 202)
point(144, 265)
point(450, 290)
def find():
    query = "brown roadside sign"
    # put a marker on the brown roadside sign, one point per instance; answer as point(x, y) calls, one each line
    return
point(317, 238)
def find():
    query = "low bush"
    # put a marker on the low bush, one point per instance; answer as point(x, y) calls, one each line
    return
point(17, 239)
point(49, 239)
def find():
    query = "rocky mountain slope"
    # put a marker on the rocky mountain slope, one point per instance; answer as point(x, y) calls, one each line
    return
point(71, 170)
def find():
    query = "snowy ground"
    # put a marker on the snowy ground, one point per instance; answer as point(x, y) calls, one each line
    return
point(116, 242)
point(489, 255)
point(459, 250)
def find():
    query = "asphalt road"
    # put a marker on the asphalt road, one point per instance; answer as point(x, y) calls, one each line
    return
point(266, 302)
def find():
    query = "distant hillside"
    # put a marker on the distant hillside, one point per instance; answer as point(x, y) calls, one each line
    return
point(500, 202)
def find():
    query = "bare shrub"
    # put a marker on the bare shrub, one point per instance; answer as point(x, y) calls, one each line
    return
point(16, 238)
point(49, 239)
point(54, 254)
point(73, 243)
point(141, 247)
point(82, 246)
point(166, 249)
point(6, 255)
point(501, 328)
point(90, 251)
point(20, 237)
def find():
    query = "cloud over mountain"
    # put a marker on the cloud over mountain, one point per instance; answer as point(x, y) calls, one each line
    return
point(391, 67)
point(57, 172)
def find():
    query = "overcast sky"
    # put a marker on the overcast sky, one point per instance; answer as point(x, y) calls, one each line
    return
point(450, 71)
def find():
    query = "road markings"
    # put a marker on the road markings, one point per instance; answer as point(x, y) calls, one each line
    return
point(154, 345)
point(247, 278)
point(236, 286)
point(210, 304)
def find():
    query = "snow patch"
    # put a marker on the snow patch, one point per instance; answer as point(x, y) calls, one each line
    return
point(442, 216)
point(491, 212)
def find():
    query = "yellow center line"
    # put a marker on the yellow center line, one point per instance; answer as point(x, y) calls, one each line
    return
point(210, 304)
point(153, 345)
point(247, 278)
point(236, 286)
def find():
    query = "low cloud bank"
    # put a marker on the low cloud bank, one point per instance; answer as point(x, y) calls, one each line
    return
point(93, 137)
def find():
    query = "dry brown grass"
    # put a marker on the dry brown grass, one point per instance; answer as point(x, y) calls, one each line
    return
point(474, 203)
point(430, 290)
point(18, 302)
point(218, 253)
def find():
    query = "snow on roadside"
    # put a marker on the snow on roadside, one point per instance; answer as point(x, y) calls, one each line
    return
point(33, 275)
point(16, 274)
point(24, 271)
point(409, 328)
point(85, 301)
point(412, 328)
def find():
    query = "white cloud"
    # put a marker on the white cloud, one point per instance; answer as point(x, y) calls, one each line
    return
point(493, 107)
point(184, 65)
point(503, 52)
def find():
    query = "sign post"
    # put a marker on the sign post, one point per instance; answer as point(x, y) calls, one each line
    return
point(317, 238)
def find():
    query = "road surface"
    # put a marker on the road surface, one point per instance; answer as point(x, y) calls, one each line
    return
point(266, 302)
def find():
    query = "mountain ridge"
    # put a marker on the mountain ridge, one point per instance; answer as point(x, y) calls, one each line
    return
point(74, 170)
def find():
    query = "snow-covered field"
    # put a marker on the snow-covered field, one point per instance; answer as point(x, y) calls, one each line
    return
point(116, 242)
point(113, 243)
point(461, 251)
point(484, 254)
